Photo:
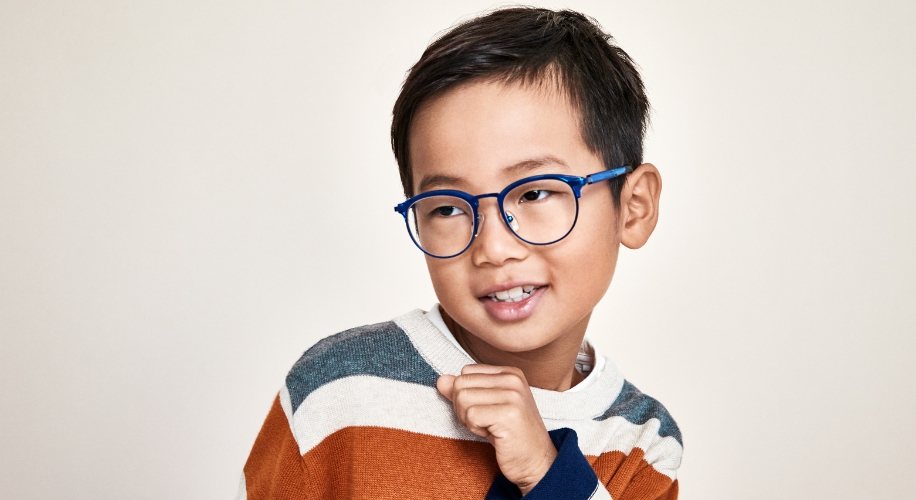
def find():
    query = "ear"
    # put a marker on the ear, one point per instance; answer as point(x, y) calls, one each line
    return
point(639, 205)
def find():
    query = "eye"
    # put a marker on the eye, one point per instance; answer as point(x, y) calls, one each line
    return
point(534, 195)
point(446, 211)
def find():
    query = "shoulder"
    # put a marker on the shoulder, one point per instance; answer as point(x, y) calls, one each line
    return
point(381, 350)
point(640, 409)
point(642, 429)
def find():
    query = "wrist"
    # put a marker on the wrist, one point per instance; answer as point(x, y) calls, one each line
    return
point(531, 480)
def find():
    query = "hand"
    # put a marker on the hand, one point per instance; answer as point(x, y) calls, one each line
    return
point(495, 402)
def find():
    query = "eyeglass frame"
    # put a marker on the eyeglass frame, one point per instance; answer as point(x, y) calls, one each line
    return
point(573, 181)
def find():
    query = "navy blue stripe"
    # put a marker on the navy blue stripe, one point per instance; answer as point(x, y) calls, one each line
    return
point(638, 408)
point(382, 350)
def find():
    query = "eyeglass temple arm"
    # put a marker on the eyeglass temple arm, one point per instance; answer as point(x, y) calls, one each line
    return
point(607, 174)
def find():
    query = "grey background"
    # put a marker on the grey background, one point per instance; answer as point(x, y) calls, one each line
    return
point(192, 193)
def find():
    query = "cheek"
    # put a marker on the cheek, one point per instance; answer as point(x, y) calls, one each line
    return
point(592, 252)
point(447, 277)
point(600, 218)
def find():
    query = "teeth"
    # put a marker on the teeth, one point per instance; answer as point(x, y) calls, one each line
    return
point(516, 294)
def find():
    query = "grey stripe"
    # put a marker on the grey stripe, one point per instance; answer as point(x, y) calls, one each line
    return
point(638, 408)
point(381, 350)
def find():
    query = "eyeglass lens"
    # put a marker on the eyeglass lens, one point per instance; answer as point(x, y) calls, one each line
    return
point(539, 212)
point(441, 225)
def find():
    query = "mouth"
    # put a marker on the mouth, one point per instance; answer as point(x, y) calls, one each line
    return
point(516, 294)
point(513, 304)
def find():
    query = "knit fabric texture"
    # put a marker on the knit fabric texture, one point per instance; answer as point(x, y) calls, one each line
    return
point(360, 417)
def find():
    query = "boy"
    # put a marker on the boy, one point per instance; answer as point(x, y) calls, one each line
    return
point(519, 141)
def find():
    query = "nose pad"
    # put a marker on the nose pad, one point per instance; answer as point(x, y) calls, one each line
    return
point(513, 222)
point(480, 219)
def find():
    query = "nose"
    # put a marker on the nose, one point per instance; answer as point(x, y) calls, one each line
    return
point(495, 244)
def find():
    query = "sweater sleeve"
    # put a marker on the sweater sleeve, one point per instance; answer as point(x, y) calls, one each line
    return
point(275, 468)
point(571, 477)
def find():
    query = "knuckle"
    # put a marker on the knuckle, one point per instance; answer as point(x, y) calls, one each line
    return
point(468, 380)
point(515, 397)
point(460, 398)
point(463, 383)
point(508, 378)
point(518, 390)
point(513, 413)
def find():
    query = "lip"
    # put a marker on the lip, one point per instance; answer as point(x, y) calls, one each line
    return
point(507, 286)
point(512, 311)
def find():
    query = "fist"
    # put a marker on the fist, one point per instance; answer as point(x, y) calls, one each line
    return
point(495, 402)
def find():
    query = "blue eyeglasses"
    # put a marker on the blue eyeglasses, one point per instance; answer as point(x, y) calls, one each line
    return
point(539, 210)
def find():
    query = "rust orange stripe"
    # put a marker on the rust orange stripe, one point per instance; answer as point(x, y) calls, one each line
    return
point(388, 464)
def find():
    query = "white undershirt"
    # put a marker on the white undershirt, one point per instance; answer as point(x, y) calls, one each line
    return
point(588, 364)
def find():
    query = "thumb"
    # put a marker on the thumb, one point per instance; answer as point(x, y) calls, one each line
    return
point(445, 384)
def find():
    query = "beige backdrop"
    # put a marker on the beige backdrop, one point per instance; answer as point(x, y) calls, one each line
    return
point(192, 193)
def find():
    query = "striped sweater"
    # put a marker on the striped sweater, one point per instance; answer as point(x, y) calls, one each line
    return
point(360, 417)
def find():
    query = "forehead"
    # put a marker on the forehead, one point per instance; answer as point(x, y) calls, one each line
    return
point(481, 136)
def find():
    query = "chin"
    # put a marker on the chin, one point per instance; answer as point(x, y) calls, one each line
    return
point(517, 338)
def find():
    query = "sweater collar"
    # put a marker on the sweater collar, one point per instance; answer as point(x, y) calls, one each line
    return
point(447, 358)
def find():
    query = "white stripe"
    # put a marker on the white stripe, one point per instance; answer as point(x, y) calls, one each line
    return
point(664, 455)
point(435, 317)
point(600, 493)
point(373, 401)
point(242, 493)
point(380, 402)
point(287, 404)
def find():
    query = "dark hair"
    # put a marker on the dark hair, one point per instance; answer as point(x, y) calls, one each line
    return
point(534, 46)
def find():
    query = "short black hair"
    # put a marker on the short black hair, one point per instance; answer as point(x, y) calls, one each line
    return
point(530, 45)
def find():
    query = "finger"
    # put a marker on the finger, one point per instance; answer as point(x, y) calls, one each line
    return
point(491, 421)
point(476, 396)
point(480, 368)
point(446, 385)
point(491, 380)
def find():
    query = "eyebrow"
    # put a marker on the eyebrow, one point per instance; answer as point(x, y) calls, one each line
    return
point(535, 164)
point(524, 166)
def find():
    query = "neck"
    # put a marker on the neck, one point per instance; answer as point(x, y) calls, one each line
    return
point(551, 367)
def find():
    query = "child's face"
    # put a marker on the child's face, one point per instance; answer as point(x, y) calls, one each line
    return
point(479, 138)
